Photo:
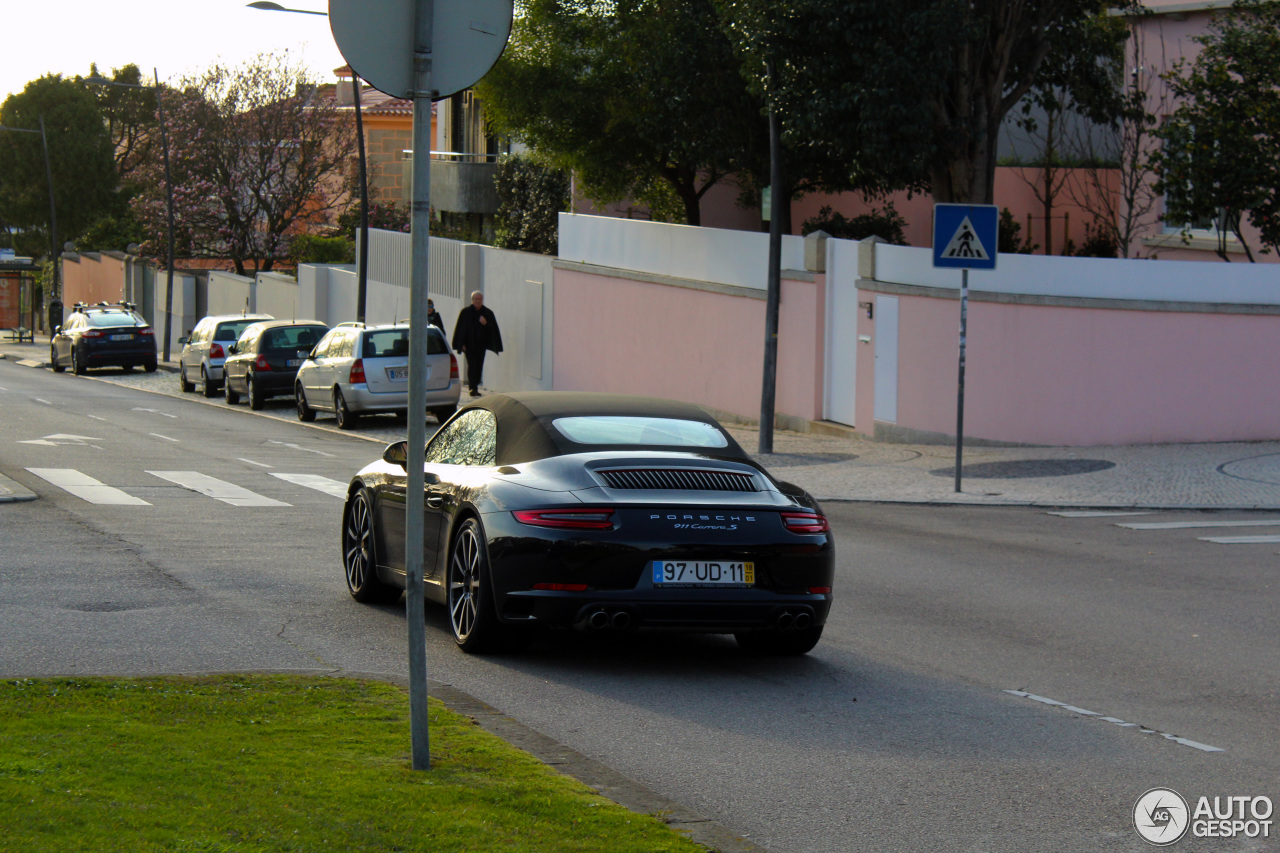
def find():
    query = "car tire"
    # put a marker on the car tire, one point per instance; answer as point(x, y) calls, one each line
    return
point(346, 418)
point(206, 386)
point(186, 386)
point(151, 366)
point(53, 360)
point(443, 413)
point(233, 396)
point(306, 414)
point(76, 367)
point(473, 619)
point(257, 400)
point(358, 555)
point(797, 642)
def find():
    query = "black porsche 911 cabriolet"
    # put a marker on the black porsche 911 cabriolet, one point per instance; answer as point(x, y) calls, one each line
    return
point(595, 512)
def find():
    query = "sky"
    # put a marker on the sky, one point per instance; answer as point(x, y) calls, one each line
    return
point(175, 37)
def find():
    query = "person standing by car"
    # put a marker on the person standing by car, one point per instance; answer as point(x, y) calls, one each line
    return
point(433, 316)
point(476, 332)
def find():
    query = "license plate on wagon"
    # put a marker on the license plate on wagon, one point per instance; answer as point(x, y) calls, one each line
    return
point(398, 373)
point(703, 573)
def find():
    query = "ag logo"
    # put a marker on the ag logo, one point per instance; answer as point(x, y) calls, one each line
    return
point(1161, 816)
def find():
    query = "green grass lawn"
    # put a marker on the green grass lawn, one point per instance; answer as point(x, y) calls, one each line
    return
point(276, 763)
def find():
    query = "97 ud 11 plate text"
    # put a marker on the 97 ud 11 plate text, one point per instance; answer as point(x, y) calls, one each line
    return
point(670, 572)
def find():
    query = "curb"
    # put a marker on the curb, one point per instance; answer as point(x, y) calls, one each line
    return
point(11, 492)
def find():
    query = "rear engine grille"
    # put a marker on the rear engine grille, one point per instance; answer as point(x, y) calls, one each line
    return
point(687, 479)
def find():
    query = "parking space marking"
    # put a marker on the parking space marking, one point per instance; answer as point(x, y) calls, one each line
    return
point(86, 488)
point(1096, 513)
point(314, 481)
point(29, 362)
point(1240, 540)
point(221, 490)
point(1203, 747)
point(1184, 525)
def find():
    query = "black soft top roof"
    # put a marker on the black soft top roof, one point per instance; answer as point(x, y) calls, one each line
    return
point(525, 432)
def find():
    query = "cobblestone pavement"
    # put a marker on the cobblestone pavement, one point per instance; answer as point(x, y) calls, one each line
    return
point(1243, 475)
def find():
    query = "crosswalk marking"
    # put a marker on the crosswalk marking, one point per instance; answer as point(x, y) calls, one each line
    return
point(217, 489)
point(86, 488)
point(1239, 540)
point(1183, 525)
point(315, 481)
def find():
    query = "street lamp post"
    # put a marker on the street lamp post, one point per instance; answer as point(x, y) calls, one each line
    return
point(362, 276)
point(168, 183)
point(53, 210)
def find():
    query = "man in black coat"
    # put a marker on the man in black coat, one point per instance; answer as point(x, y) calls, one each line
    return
point(476, 332)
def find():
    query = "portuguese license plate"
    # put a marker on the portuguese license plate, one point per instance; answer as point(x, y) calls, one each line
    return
point(122, 337)
point(703, 573)
point(398, 373)
point(293, 362)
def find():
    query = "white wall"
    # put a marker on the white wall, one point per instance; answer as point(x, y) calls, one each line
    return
point(518, 289)
point(681, 251)
point(229, 293)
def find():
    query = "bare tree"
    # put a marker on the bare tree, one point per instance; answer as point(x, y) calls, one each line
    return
point(258, 153)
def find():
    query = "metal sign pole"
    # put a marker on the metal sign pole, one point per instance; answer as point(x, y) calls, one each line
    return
point(415, 503)
point(964, 323)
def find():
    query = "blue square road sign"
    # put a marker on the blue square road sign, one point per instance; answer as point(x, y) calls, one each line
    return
point(965, 236)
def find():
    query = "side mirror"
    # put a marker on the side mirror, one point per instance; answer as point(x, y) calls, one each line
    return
point(57, 330)
point(184, 340)
point(397, 454)
point(231, 350)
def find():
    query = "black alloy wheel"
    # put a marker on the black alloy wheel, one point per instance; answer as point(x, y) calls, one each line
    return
point(358, 553)
point(53, 359)
point(186, 386)
point(76, 366)
point(257, 399)
point(210, 390)
point(233, 396)
point(472, 615)
point(796, 642)
point(345, 417)
point(306, 414)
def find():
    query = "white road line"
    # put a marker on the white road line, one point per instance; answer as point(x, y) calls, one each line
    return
point(1183, 525)
point(86, 488)
point(251, 462)
point(300, 447)
point(165, 437)
point(1095, 513)
point(4, 389)
point(96, 418)
point(46, 402)
point(1240, 540)
point(155, 412)
point(1203, 747)
point(314, 481)
point(221, 490)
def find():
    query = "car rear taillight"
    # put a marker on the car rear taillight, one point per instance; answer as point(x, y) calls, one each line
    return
point(820, 590)
point(357, 372)
point(453, 366)
point(571, 519)
point(92, 333)
point(146, 330)
point(261, 363)
point(805, 522)
point(215, 351)
point(561, 587)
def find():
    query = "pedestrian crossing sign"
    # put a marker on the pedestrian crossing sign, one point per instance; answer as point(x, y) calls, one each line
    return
point(965, 236)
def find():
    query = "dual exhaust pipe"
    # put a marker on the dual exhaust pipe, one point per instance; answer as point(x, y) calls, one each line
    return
point(788, 621)
point(599, 620)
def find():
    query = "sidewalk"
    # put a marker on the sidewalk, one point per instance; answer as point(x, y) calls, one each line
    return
point(1242, 475)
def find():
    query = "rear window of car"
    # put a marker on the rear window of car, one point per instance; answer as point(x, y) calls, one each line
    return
point(390, 343)
point(232, 330)
point(625, 429)
point(291, 338)
point(105, 319)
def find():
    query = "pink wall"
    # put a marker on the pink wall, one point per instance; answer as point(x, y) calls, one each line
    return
point(687, 344)
point(1086, 376)
point(92, 280)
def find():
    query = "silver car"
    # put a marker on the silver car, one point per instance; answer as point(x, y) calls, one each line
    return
point(205, 350)
point(358, 369)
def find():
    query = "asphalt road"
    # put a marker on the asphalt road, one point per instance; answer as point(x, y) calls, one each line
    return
point(899, 732)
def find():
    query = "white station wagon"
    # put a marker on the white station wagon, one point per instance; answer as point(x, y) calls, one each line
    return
point(358, 369)
point(205, 351)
